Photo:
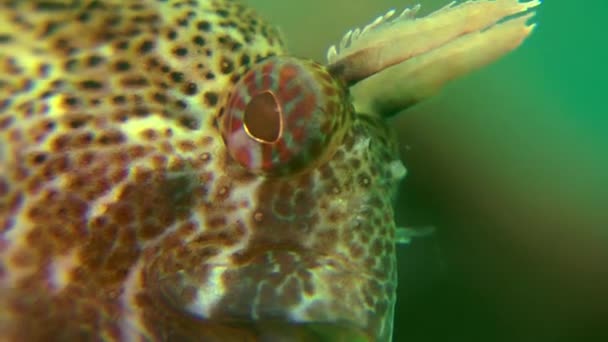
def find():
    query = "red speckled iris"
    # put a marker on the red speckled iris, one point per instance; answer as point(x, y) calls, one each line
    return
point(285, 115)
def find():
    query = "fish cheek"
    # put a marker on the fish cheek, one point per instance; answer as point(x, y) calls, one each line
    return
point(312, 247)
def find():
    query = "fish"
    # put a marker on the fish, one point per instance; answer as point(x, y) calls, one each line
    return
point(169, 172)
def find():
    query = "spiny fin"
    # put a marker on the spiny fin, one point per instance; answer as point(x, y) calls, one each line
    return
point(334, 52)
point(390, 40)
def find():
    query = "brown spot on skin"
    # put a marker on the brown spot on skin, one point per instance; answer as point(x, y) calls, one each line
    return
point(198, 40)
point(180, 51)
point(190, 88)
point(5, 123)
point(72, 101)
point(356, 251)
point(364, 180)
point(134, 81)
point(226, 66)
point(146, 46)
point(4, 186)
point(94, 60)
point(123, 214)
point(150, 134)
point(211, 98)
point(91, 85)
point(186, 145)
point(216, 222)
point(160, 98)
point(177, 76)
point(110, 137)
point(188, 122)
point(159, 161)
point(204, 26)
point(172, 34)
point(23, 258)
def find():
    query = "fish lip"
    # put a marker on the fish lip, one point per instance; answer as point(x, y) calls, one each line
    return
point(232, 290)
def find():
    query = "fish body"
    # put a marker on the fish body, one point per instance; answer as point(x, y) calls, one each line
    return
point(122, 215)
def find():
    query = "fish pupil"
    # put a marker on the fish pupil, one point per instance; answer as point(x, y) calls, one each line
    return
point(262, 118)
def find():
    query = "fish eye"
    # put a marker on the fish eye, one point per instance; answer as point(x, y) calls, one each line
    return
point(285, 115)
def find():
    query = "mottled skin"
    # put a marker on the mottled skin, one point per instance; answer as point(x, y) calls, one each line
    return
point(122, 216)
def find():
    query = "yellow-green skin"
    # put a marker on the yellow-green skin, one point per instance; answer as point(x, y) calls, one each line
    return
point(122, 216)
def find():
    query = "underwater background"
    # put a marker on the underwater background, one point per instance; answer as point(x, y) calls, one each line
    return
point(510, 165)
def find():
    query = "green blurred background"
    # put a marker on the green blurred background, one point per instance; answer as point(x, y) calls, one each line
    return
point(510, 164)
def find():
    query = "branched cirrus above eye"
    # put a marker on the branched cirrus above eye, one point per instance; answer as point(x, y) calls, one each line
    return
point(285, 115)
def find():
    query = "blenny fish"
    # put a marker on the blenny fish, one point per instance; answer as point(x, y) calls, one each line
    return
point(169, 172)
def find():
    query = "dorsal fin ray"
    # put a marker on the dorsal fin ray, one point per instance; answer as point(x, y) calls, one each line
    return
point(389, 39)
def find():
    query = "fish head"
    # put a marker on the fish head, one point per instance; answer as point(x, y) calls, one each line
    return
point(167, 170)
point(297, 208)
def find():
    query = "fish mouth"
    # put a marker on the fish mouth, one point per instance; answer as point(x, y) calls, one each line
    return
point(275, 293)
point(270, 330)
